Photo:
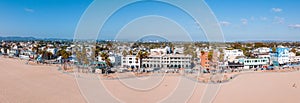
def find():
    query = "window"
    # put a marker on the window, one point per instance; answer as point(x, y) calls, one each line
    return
point(130, 61)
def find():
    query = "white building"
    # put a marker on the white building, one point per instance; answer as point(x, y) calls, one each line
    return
point(261, 50)
point(232, 53)
point(167, 61)
point(160, 51)
point(266, 55)
point(294, 58)
point(115, 59)
point(52, 50)
point(2, 50)
point(255, 63)
point(179, 50)
point(130, 61)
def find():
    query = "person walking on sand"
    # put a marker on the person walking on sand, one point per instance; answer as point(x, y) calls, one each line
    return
point(294, 85)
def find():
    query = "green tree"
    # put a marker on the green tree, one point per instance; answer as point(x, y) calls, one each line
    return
point(294, 50)
point(274, 49)
point(298, 54)
point(210, 55)
point(124, 53)
point(259, 44)
point(236, 46)
point(78, 54)
point(84, 56)
point(140, 56)
point(130, 52)
point(64, 55)
point(189, 50)
point(221, 56)
point(105, 58)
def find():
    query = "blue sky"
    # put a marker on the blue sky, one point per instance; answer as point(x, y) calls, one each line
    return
point(240, 19)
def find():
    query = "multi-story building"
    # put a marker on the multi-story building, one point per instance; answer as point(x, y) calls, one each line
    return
point(167, 61)
point(255, 63)
point(130, 61)
point(261, 50)
point(294, 58)
point(280, 56)
point(204, 59)
point(232, 54)
point(115, 59)
point(249, 63)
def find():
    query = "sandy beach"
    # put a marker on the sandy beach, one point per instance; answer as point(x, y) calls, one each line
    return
point(23, 83)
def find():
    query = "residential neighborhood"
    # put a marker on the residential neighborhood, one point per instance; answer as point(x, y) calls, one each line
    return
point(150, 56)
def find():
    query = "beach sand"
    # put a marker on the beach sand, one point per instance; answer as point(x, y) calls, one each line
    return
point(21, 83)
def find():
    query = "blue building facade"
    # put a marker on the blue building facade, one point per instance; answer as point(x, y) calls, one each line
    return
point(281, 56)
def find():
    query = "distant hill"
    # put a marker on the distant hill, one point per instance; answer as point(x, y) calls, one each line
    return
point(15, 38)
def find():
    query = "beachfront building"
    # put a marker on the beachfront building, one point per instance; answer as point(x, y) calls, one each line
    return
point(255, 63)
point(293, 58)
point(130, 61)
point(13, 52)
point(114, 59)
point(249, 63)
point(204, 59)
point(280, 56)
point(26, 54)
point(2, 50)
point(228, 54)
point(167, 61)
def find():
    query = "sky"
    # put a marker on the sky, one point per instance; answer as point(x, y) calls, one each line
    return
point(239, 19)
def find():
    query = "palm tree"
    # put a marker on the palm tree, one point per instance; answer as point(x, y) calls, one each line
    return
point(64, 55)
point(140, 55)
point(105, 58)
point(84, 56)
point(130, 52)
point(43, 53)
point(274, 49)
point(210, 55)
point(124, 53)
point(49, 55)
point(294, 50)
point(6, 48)
point(189, 50)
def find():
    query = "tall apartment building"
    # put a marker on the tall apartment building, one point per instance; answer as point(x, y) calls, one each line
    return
point(204, 59)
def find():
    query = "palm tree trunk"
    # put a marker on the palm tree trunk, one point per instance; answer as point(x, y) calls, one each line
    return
point(140, 63)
